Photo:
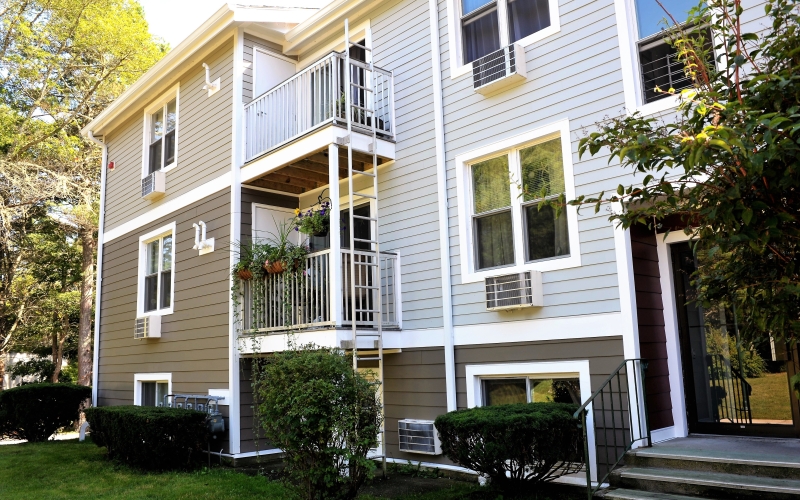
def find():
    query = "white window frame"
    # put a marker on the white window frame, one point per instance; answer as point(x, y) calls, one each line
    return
point(536, 369)
point(628, 35)
point(143, 241)
point(457, 67)
point(138, 378)
point(161, 103)
point(469, 273)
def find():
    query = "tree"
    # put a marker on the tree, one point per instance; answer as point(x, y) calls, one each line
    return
point(726, 163)
point(61, 63)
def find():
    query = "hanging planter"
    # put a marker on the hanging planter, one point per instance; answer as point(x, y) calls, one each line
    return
point(273, 267)
point(244, 274)
point(314, 221)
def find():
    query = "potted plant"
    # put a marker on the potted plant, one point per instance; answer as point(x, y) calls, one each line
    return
point(242, 271)
point(296, 256)
point(276, 255)
point(313, 222)
point(248, 254)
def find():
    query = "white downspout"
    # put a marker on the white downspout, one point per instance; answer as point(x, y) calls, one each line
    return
point(444, 226)
point(99, 283)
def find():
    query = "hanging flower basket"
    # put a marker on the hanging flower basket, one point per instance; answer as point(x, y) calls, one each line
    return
point(273, 267)
point(314, 222)
point(244, 274)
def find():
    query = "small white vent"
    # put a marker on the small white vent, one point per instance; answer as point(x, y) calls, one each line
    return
point(419, 436)
point(512, 291)
point(148, 327)
point(154, 185)
point(499, 69)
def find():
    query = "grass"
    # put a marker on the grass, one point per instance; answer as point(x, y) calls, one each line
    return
point(70, 469)
point(770, 397)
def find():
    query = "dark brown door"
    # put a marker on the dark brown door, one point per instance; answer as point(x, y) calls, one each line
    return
point(733, 384)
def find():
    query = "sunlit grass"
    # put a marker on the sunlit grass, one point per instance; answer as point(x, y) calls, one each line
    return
point(770, 397)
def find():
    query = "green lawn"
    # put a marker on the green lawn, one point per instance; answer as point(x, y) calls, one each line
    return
point(770, 397)
point(70, 469)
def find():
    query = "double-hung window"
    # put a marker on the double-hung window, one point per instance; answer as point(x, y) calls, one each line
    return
point(541, 169)
point(658, 62)
point(488, 25)
point(157, 273)
point(162, 136)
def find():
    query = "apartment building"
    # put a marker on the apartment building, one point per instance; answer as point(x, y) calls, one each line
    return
point(432, 126)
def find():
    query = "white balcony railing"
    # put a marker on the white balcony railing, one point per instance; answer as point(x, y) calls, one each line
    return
point(299, 299)
point(315, 97)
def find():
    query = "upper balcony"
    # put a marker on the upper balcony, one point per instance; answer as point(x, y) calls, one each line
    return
point(313, 99)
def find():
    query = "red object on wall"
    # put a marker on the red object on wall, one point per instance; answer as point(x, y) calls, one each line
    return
point(111, 165)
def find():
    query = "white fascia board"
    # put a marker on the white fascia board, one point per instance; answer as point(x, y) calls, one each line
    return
point(326, 21)
point(273, 14)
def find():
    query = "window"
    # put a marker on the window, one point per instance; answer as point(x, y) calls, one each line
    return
point(149, 389)
point(501, 391)
point(156, 276)
point(486, 26)
point(161, 134)
point(153, 393)
point(658, 63)
point(541, 168)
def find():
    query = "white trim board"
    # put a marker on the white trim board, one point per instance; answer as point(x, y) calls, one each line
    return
point(168, 207)
point(677, 392)
point(559, 129)
point(160, 103)
point(543, 369)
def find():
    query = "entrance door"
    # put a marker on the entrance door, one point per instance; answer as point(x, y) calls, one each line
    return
point(733, 384)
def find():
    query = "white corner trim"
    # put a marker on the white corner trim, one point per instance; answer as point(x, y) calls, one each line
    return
point(170, 228)
point(673, 345)
point(234, 180)
point(170, 206)
point(464, 190)
point(448, 333)
point(458, 69)
point(541, 369)
point(629, 326)
point(627, 53)
point(138, 378)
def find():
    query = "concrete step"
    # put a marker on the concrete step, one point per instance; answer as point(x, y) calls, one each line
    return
point(704, 484)
point(625, 494)
point(743, 462)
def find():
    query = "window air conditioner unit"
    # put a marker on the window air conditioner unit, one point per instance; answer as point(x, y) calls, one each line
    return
point(513, 291)
point(154, 185)
point(148, 327)
point(500, 69)
point(419, 436)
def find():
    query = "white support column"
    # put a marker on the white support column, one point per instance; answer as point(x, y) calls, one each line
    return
point(335, 281)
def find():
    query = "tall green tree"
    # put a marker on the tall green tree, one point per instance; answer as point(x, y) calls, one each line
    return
point(727, 163)
point(61, 63)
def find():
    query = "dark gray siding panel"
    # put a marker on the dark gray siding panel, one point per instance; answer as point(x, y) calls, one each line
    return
point(194, 342)
point(414, 385)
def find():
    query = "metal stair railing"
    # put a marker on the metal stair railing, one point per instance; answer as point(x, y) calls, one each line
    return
point(619, 419)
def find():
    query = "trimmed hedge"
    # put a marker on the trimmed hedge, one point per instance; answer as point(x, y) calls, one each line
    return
point(514, 445)
point(148, 437)
point(36, 411)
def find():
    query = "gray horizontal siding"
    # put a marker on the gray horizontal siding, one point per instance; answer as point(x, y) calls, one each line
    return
point(204, 141)
point(194, 342)
point(557, 87)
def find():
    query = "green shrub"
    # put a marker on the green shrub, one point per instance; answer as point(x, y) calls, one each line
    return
point(323, 415)
point(36, 411)
point(148, 437)
point(514, 445)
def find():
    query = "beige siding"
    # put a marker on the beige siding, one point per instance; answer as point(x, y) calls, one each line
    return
point(194, 342)
point(204, 140)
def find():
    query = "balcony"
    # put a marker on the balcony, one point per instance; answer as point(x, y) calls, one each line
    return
point(315, 98)
point(306, 299)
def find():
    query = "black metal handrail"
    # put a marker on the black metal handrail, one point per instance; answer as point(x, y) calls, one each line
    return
point(625, 427)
